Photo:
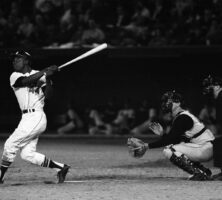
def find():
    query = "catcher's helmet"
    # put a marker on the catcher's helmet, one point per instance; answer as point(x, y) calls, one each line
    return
point(209, 82)
point(168, 98)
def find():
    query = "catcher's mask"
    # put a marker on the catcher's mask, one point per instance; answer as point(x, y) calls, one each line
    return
point(208, 84)
point(168, 99)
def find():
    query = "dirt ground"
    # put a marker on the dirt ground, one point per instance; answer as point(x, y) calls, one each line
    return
point(104, 172)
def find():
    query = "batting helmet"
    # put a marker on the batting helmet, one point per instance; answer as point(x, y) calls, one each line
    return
point(209, 82)
point(21, 53)
point(168, 98)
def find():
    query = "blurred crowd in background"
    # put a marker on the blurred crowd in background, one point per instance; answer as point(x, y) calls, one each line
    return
point(120, 23)
point(124, 118)
point(75, 23)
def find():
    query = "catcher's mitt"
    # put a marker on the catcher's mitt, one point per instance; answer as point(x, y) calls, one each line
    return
point(137, 147)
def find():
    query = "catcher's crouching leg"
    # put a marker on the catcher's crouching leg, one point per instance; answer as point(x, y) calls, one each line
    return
point(198, 171)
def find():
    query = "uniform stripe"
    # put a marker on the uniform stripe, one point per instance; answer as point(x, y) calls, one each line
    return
point(45, 162)
point(5, 163)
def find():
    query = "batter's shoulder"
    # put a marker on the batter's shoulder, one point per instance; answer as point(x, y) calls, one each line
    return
point(14, 76)
point(13, 73)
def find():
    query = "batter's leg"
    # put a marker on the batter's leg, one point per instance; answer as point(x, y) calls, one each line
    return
point(4, 167)
point(11, 148)
point(29, 154)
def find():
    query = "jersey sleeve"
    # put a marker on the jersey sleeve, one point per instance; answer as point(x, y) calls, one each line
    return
point(42, 80)
point(14, 77)
point(180, 125)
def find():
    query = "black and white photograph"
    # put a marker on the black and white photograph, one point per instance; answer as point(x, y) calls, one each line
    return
point(111, 99)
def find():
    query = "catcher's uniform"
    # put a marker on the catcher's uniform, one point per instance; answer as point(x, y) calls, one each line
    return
point(189, 137)
point(187, 145)
point(32, 123)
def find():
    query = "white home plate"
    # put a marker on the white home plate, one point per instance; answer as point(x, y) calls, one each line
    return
point(82, 181)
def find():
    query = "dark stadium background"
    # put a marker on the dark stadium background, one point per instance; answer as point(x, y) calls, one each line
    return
point(132, 67)
point(135, 73)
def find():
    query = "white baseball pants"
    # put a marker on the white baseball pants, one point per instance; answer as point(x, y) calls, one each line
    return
point(25, 138)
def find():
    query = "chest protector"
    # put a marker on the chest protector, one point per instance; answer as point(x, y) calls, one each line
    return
point(198, 133)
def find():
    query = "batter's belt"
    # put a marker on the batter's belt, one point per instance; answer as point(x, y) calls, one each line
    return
point(28, 110)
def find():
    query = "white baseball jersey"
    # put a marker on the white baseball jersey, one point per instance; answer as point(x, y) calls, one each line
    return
point(28, 97)
point(207, 135)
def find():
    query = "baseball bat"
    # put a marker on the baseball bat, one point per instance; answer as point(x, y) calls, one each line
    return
point(84, 55)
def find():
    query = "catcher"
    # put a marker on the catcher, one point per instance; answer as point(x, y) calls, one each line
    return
point(187, 145)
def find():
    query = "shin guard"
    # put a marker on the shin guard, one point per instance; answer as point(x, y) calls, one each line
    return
point(198, 171)
point(185, 164)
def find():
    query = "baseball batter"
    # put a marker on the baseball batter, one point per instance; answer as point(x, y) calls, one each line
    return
point(189, 142)
point(31, 87)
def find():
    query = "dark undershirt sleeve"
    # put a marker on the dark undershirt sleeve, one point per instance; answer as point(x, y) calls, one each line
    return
point(180, 125)
point(48, 89)
point(18, 82)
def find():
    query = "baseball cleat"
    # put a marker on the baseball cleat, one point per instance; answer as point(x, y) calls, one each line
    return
point(61, 175)
point(1, 181)
point(208, 172)
point(200, 177)
point(205, 170)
